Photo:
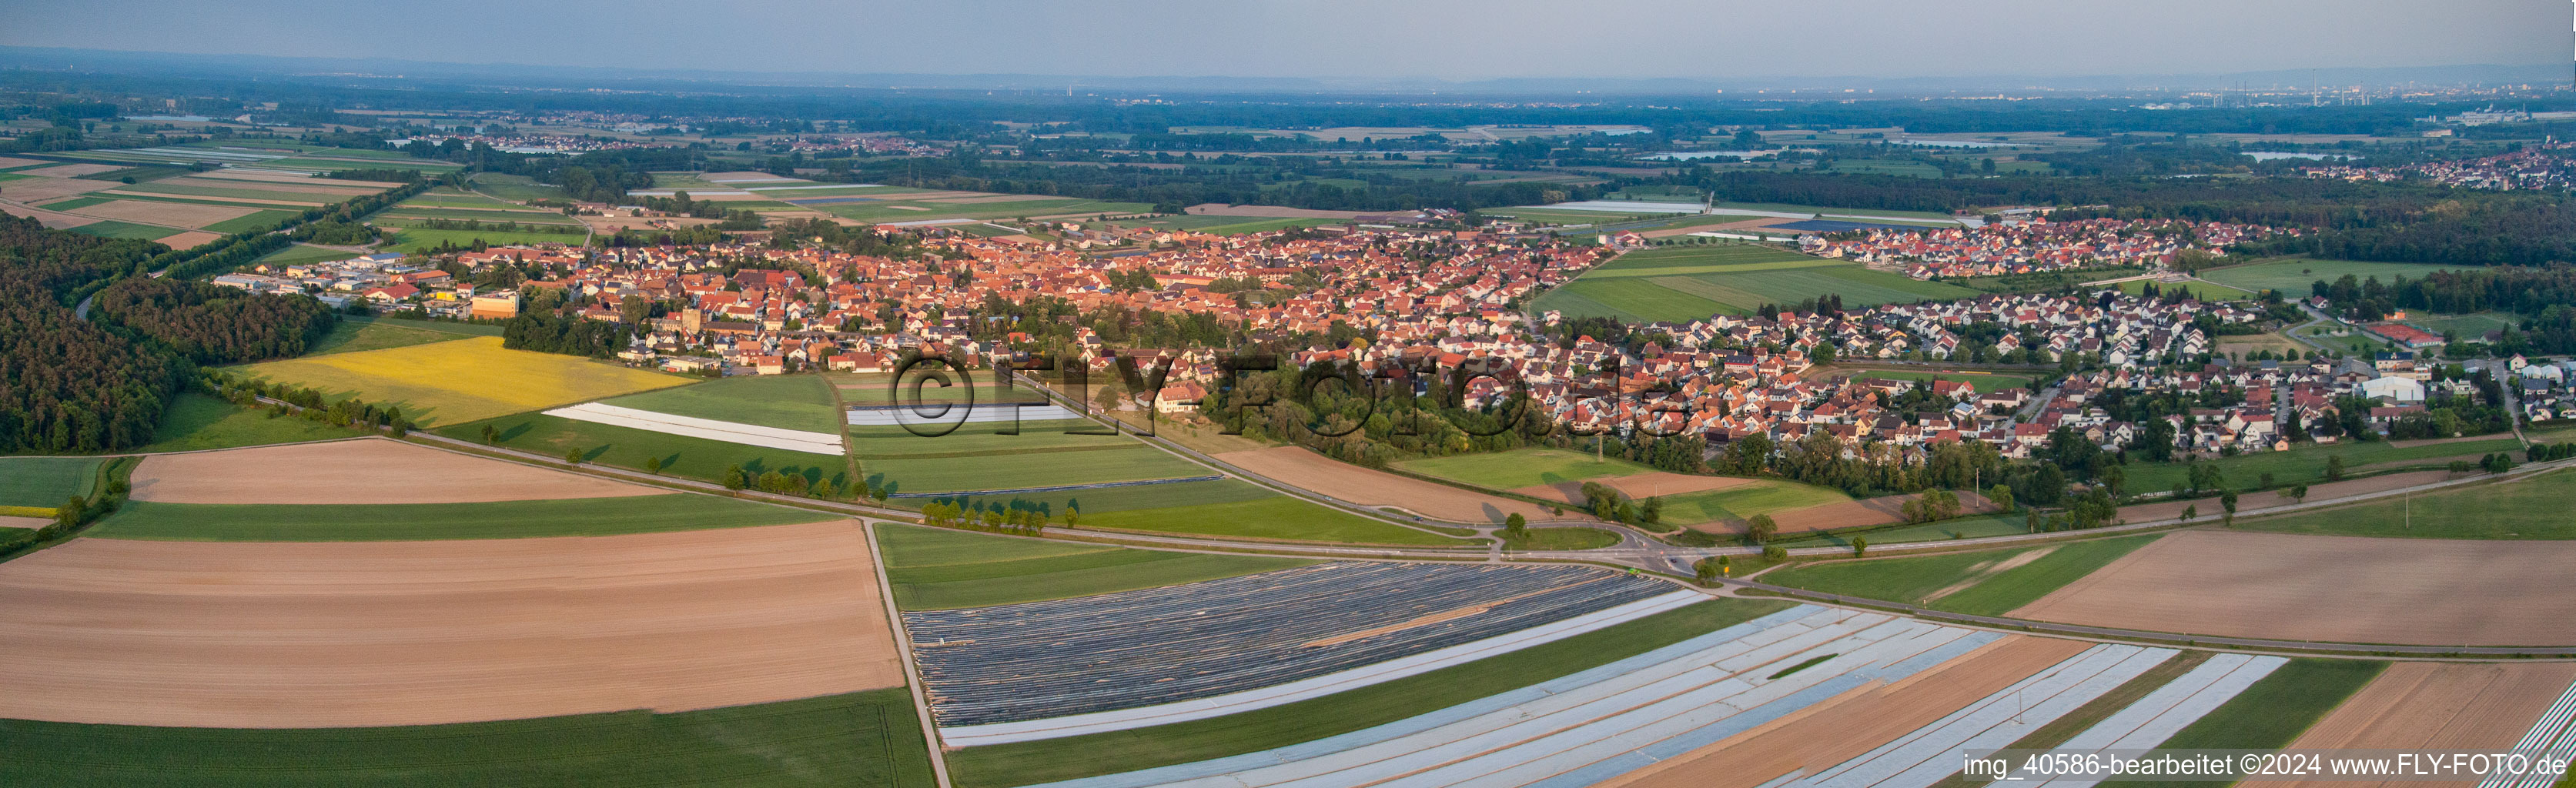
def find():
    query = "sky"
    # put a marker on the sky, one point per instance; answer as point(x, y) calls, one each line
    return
point(1438, 39)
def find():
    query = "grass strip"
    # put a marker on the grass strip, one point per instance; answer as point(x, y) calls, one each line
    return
point(1278, 726)
point(2274, 710)
point(2093, 712)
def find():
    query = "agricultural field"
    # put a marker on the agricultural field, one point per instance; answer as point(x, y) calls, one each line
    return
point(2295, 277)
point(790, 402)
point(1965, 527)
point(627, 447)
point(1275, 517)
point(1014, 470)
point(514, 187)
point(257, 220)
point(44, 482)
point(940, 569)
point(2298, 587)
point(413, 239)
point(301, 253)
point(1685, 283)
point(2527, 507)
point(2201, 290)
point(1542, 539)
point(2306, 463)
point(892, 210)
point(116, 229)
point(195, 422)
point(637, 514)
point(1297, 467)
point(1986, 583)
point(1731, 506)
point(1222, 225)
point(355, 335)
point(862, 738)
point(464, 380)
point(1923, 217)
point(1521, 468)
point(1000, 765)
point(2276, 708)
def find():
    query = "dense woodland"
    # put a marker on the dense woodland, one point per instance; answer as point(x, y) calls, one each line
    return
point(67, 384)
point(213, 324)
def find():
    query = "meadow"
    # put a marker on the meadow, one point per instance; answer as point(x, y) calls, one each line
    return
point(1521, 467)
point(891, 211)
point(792, 402)
point(414, 239)
point(2202, 290)
point(1986, 583)
point(224, 522)
point(1019, 470)
point(940, 569)
point(2526, 508)
point(2307, 463)
point(514, 187)
point(195, 422)
point(864, 738)
point(354, 336)
point(2296, 277)
point(1274, 517)
point(300, 253)
point(2274, 710)
point(111, 228)
point(996, 766)
point(1746, 500)
point(627, 447)
point(463, 380)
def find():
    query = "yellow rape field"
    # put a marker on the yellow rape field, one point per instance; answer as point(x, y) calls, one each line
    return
point(464, 380)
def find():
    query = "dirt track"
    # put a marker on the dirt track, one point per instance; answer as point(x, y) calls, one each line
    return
point(1351, 483)
point(2330, 588)
point(2247, 503)
point(2439, 706)
point(372, 470)
point(285, 634)
point(1845, 726)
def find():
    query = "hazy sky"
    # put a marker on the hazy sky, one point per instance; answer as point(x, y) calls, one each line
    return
point(1333, 38)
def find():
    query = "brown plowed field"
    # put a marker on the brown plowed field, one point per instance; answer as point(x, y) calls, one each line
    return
point(1638, 486)
point(2439, 706)
point(2251, 502)
point(170, 214)
point(1298, 467)
point(300, 188)
point(1882, 510)
point(51, 219)
point(33, 190)
point(188, 240)
point(243, 200)
point(288, 177)
point(24, 522)
point(69, 170)
point(329, 634)
point(368, 470)
point(1846, 726)
point(2331, 588)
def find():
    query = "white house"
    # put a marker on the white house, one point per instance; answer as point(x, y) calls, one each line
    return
point(2393, 389)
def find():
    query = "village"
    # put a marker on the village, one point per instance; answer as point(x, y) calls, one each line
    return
point(2028, 242)
point(1416, 300)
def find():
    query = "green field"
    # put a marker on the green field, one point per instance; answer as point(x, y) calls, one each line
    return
point(352, 336)
point(2530, 507)
point(1558, 216)
point(2273, 711)
point(1907, 168)
point(413, 239)
point(2307, 463)
point(894, 211)
point(76, 203)
point(2203, 291)
point(788, 402)
point(44, 481)
point(940, 569)
point(636, 514)
point(1686, 283)
point(1521, 467)
point(2296, 277)
point(1931, 217)
point(196, 422)
point(627, 447)
point(515, 187)
point(1025, 469)
point(462, 214)
point(1560, 539)
point(1124, 499)
point(443, 197)
point(2470, 327)
point(262, 220)
point(1986, 382)
point(241, 192)
point(1278, 726)
point(866, 738)
point(1969, 527)
point(1735, 504)
point(894, 441)
point(1275, 517)
point(300, 253)
point(111, 228)
point(1989, 590)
